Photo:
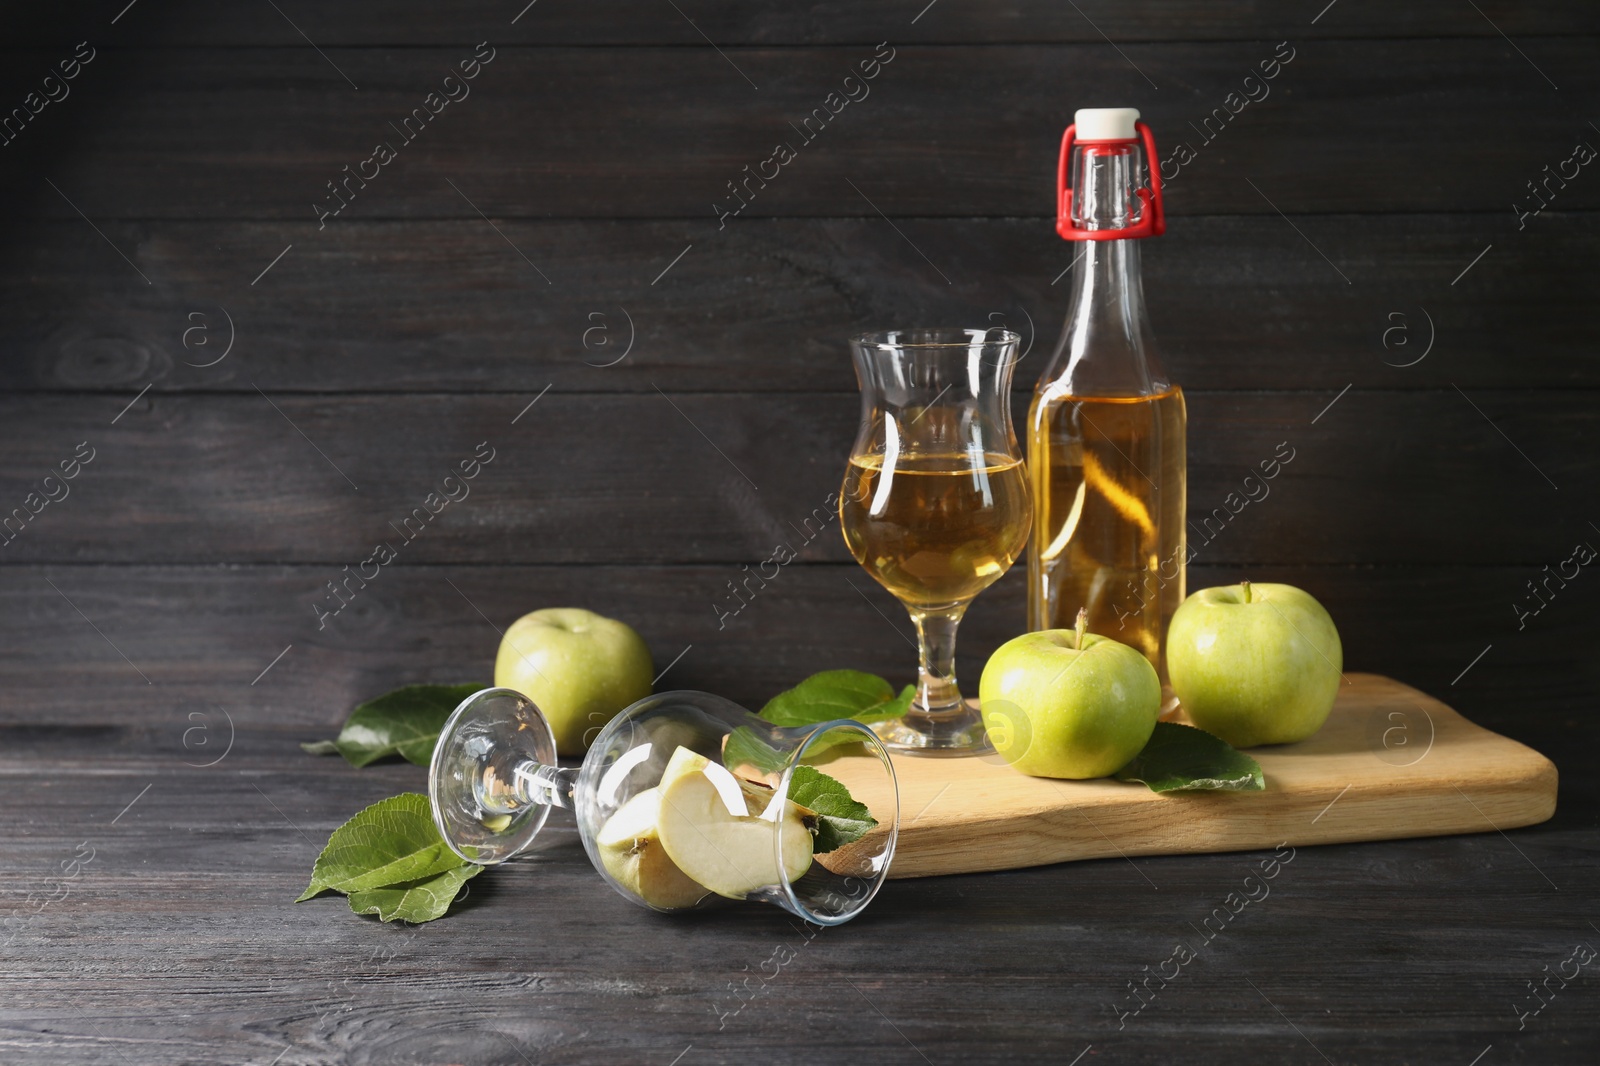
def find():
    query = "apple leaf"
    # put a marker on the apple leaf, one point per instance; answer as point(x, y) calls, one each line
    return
point(838, 694)
point(392, 842)
point(1181, 757)
point(841, 819)
point(835, 694)
point(415, 901)
point(743, 748)
point(406, 722)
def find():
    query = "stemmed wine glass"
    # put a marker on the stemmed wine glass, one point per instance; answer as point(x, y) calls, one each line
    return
point(935, 504)
point(682, 798)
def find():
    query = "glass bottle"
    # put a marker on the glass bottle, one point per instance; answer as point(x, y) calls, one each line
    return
point(1106, 427)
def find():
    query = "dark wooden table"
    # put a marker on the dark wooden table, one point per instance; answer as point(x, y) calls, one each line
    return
point(253, 393)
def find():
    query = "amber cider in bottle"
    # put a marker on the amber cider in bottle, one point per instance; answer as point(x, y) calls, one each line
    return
point(1106, 428)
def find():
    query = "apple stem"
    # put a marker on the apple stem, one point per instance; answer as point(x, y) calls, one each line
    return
point(1079, 628)
point(1245, 585)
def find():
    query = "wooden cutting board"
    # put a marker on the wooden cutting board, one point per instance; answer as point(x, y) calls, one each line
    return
point(1390, 762)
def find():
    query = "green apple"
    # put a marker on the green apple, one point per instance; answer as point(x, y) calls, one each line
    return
point(577, 667)
point(1066, 703)
point(707, 827)
point(630, 849)
point(1254, 664)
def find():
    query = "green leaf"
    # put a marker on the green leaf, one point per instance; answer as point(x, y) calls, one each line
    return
point(744, 748)
point(841, 819)
point(835, 694)
point(392, 842)
point(1181, 757)
point(415, 901)
point(406, 722)
point(824, 697)
point(838, 694)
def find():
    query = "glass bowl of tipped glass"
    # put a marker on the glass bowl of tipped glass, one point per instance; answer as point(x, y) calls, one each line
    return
point(683, 799)
point(935, 504)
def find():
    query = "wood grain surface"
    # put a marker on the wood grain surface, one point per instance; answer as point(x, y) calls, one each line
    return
point(1348, 268)
point(732, 22)
point(179, 943)
point(974, 132)
point(262, 476)
point(208, 639)
point(452, 307)
point(1389, 762)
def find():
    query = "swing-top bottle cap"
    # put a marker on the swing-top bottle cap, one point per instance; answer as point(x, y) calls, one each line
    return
point(1106, 123)
point(1135, 209)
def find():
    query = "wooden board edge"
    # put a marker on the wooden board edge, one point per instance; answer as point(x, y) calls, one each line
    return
point(1526, 799)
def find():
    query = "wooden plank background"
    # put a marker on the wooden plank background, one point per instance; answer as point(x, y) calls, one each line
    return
point(1346, 271)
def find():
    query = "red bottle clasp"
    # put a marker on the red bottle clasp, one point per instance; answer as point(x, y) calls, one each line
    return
point(1153, 214)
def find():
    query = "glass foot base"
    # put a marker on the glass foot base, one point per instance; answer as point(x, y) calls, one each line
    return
point(950, 734)
point(473, 762)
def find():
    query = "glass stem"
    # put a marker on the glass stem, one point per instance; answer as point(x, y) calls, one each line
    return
point(936, 674)
point(507, 790)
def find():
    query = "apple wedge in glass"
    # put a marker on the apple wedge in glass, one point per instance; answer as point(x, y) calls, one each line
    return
point(683, 799)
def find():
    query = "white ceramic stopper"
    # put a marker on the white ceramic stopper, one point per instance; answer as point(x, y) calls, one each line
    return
point(1106, 123)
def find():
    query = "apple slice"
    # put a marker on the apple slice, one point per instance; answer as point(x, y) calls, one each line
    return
point(706, 828)
point(757, 791)
point(731, 787)
point(630, 850)
point(683, 761)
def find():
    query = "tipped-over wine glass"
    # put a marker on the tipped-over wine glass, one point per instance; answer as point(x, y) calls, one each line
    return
point(935, 504)
point(683, 798)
